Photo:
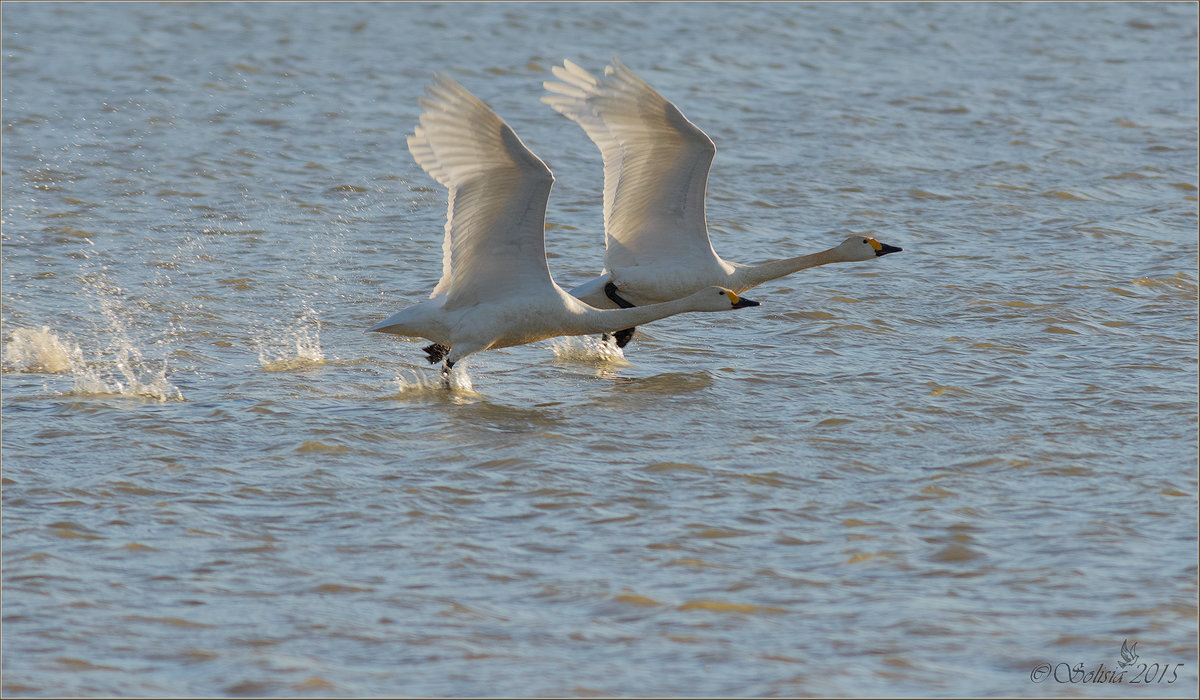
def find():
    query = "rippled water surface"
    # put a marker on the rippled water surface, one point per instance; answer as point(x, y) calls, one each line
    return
point(928, 474)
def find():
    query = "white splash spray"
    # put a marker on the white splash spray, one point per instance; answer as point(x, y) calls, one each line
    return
point(416, 383)
point(119, 371)
point(129, 375)
point(115, 364)
point(35, 351)
point(297, 349)
point(588, 350)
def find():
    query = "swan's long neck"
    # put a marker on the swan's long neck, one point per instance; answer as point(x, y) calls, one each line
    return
point(748, 276)
point(609, 320)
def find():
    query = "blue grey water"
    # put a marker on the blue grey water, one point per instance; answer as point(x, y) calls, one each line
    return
point(928, 474)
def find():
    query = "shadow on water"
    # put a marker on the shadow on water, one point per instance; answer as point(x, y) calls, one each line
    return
point(668, 383)
point(464, 405)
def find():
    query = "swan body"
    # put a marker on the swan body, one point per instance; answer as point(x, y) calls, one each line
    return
point(496, 290)
point(656, 165)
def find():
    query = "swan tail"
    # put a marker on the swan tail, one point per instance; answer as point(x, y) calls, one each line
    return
point(592, 291)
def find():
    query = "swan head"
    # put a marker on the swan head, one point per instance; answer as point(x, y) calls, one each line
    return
point(719, 299)
point(863, 248)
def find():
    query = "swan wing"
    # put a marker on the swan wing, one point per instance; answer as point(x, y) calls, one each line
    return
point(494, 244)
point(655, 164)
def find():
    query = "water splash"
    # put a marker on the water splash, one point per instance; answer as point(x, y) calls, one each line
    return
point(458, 383)
point(131, 375)
point(40, 352)
point(120, 368)
point(588, 350)
point(301, 346)
point(127, 374)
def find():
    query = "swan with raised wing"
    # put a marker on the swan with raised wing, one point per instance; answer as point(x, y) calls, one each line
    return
point(496, 290)
point(656, 166)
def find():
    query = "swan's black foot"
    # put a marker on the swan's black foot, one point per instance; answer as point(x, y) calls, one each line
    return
point(446, 367)
point(436, 352)
point(624, 336)
point(610, 291)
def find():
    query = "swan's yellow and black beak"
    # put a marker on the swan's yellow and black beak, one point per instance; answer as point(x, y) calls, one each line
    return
point(882, 248)
point(739, 302)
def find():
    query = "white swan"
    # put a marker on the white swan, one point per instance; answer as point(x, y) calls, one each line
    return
point(655, 173)
point(496, 290)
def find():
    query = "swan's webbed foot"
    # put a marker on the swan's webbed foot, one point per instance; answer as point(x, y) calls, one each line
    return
point(624, 336)
point(436, 352)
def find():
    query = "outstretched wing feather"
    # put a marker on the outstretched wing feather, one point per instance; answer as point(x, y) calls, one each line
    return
point(494, 241)
point(656, 164)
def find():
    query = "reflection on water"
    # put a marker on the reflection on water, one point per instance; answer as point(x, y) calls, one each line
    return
point(927, 474)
